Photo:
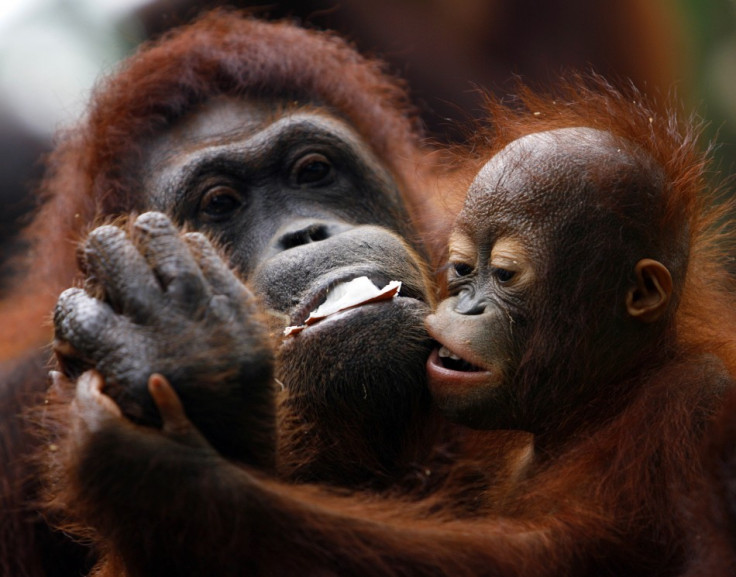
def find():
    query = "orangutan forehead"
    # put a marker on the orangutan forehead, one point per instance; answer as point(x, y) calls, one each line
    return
point(248, 125)
point(551, 150)
point(253, 135)
point(543, 166)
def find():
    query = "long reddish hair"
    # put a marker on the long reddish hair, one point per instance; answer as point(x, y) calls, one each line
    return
point(89, 173)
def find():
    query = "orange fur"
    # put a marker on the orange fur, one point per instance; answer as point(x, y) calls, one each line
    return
point(624, 490)
point(91, 177)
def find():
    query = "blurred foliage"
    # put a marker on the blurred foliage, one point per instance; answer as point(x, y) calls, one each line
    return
point(712, 26)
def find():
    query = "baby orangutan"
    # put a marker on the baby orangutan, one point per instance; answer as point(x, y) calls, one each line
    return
point(567, 265)
point(564, 283)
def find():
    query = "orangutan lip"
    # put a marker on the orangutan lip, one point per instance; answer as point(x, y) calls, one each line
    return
point(438, 373)
point(340, 296)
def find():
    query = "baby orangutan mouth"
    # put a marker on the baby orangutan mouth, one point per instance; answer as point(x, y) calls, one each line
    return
point(451, 361)
point(449, 372)
point(347, 295)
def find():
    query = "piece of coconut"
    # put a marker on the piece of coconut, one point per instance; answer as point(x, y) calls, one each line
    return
point(356, 292)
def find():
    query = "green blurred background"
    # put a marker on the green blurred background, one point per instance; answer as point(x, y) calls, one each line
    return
point(710, 26)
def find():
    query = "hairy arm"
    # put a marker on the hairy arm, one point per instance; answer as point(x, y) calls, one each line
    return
point(164, 502)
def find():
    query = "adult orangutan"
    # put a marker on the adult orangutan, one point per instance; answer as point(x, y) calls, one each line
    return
point(583, 288)
point(301, 159)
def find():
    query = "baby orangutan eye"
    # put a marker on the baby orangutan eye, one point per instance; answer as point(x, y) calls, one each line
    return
point(509, 262)
point(462, 269)
point(503, 275)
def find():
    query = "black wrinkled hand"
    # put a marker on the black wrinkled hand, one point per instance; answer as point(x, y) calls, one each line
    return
point(158, 301)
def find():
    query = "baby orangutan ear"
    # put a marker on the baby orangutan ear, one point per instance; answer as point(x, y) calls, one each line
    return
point(649, 298)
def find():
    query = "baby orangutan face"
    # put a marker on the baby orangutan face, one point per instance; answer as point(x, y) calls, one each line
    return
point(528, 302)
point(475, 326)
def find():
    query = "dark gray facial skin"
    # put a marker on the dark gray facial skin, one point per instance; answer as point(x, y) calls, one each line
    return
point(299, 204)
point(251, 174)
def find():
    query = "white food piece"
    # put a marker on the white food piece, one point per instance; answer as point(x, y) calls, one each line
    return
point(294, 330)
point(356, 292)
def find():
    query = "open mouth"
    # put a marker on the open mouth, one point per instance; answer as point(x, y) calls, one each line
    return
point(452, 362)
point(448, 369)
point(341, 296)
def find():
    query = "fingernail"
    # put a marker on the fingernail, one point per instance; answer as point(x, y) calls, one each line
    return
point(155, 381)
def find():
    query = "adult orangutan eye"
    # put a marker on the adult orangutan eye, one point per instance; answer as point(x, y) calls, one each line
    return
point(219, 202)
point(313, 169)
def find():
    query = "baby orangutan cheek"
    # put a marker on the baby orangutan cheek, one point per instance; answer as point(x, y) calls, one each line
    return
point(468, 400)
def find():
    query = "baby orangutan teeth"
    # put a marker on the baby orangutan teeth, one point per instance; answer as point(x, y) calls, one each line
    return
point(347, 295)
point(446, 353)
point(453, 362)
